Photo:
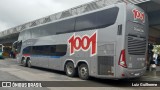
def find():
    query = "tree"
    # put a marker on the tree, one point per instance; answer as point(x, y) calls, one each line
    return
point(156, 49)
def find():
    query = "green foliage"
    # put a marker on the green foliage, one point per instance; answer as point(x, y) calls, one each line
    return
point(156, 49)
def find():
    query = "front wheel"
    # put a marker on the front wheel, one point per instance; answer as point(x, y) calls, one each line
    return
point(24, 63)
point(83, 71)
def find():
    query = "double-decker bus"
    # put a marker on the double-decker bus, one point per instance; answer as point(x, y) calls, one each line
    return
point(110, 42)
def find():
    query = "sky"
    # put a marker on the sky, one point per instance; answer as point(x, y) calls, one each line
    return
point(17, 12)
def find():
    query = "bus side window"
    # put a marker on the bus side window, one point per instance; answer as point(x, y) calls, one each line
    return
point(95, 20)
point(58, 50)
point(27, 50)
point(119, 32)
point(33, 50)
point(52, 50)
point(61, 50)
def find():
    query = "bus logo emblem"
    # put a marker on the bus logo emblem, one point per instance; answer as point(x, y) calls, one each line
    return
point(138, 15)
point(84, 43)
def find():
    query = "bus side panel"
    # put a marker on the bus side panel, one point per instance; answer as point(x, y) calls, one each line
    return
point(84, 55)
point(58, 62)
point(120, 38)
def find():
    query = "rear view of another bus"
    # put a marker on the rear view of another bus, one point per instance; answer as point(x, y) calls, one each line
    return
point(132, 58)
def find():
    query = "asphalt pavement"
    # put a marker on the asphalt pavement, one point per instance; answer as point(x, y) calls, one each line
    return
point(10, 70)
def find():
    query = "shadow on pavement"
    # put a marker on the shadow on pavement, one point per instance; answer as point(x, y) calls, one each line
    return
point(102, 82)
point(95, 81)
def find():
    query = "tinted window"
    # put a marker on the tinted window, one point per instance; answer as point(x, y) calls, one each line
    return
point(59, 50)
point(65, 26)
point(40, 50)
point(54, 28)
point(50, 50)
point(94, 20)
point(27, 50)
point(49, 29)
point(97, 19)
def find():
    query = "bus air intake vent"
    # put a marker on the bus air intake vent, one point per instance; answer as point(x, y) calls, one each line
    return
point(136, 46)
point(105, 64)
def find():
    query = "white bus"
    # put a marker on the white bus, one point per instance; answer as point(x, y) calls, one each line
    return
point(109, 42)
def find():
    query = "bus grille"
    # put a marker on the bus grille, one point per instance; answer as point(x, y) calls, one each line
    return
point(105, 64)
point(136, 46)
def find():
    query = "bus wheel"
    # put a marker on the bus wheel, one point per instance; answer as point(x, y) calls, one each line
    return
point(83, 71)
point(29, 63)
point(70, 70)
point(24, 63)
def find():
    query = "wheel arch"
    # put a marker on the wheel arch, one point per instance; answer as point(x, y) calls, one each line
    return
point(82, 62)
point(23, 58)
point(66, 61)
point(27, 59)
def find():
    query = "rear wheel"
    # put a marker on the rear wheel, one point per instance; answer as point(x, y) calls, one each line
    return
point(70, 70)
point(83, 71)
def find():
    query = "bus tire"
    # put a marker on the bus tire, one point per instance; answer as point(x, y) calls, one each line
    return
point(83, 71)
point(29, 63)
point(24, 63)
point(70, 70)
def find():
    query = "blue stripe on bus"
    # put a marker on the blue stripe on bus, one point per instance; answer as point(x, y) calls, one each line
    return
point(45, 56)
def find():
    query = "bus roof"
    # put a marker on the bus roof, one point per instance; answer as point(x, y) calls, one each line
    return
point(73, 11)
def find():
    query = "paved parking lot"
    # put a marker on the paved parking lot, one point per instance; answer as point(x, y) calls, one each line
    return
point(11, 71)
